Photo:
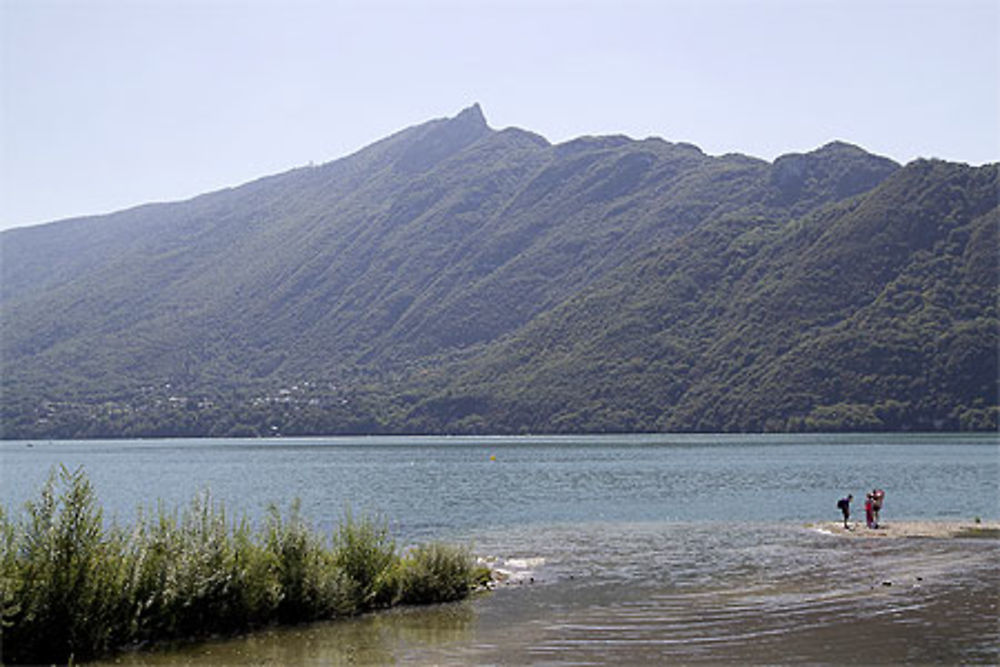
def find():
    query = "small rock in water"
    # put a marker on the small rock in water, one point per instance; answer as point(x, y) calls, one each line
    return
point(887, 583)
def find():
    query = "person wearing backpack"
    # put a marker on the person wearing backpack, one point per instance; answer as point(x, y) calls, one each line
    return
point(844, 505)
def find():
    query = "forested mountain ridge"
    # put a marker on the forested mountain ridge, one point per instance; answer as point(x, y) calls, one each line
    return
point(878, 313)
point(455, 278)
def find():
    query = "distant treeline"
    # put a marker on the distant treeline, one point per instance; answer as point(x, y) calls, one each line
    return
point(372, 413)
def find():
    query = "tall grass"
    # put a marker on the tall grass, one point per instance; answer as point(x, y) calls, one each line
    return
point(72, 589)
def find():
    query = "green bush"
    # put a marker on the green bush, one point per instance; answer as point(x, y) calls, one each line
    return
point(309, 583)
point(366, 554)
point(65, 581)
point(73, 590)
point(436, 573)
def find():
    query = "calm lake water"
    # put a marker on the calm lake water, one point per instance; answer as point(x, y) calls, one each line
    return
point(623, 549)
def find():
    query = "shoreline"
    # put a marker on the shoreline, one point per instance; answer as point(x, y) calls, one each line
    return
point(931, 529)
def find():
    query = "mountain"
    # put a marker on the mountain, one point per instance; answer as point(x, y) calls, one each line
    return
point(457, 278)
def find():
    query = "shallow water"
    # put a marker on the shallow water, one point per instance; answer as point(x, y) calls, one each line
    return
point(632, 550)
point(651, 593)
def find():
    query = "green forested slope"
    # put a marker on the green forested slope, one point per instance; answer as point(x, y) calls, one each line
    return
point(876, 313)
point(456, 278)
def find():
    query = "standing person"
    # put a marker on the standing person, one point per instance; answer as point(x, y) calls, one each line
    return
point(869, 511)
point(844, 505)
point(878, 496)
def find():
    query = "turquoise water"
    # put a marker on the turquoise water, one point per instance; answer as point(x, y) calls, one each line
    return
point(436, 486)
point(620, 549)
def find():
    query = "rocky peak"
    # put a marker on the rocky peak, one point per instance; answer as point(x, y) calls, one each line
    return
point(440, 139)
point(472, 116)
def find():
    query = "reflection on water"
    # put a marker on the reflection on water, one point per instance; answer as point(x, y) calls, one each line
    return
point(647, 593)
point(371, 639)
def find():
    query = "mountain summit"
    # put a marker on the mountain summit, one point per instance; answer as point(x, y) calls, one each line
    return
point(455, 278)
point(472, 116)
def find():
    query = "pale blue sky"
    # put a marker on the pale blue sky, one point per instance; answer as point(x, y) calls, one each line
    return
point(110, 104)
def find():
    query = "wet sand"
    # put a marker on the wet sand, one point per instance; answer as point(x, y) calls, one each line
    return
point(916, 529)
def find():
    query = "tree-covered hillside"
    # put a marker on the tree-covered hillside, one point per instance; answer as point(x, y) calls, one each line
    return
point(455, 278)
point(875, 313)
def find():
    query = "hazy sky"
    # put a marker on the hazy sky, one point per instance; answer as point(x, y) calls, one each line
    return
point(109, 104)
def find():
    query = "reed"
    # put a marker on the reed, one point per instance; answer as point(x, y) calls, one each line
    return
point(72, 589)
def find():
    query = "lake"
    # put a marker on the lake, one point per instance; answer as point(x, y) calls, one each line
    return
point(631, 549)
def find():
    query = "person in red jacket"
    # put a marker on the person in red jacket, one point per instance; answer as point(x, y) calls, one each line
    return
point(870, 511)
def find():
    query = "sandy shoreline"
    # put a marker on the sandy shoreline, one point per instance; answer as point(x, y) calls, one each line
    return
point(898, 529)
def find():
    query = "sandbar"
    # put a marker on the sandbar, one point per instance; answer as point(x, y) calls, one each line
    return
point(896, 529)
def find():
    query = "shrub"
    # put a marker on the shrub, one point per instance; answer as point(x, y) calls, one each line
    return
point(72, 590)
point(62, 583)
point(366, 554)
point(309, 583)
point(436, 572)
